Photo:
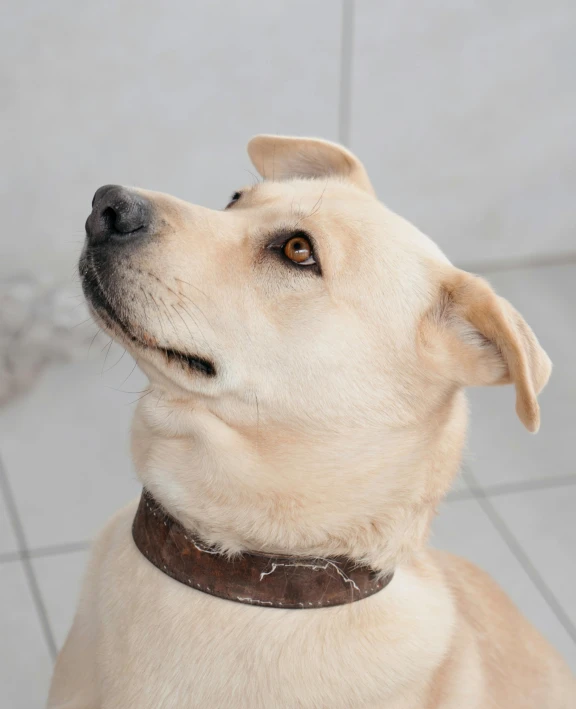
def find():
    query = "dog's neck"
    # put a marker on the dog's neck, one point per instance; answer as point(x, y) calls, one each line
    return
point(256, 579)
point(243, 491)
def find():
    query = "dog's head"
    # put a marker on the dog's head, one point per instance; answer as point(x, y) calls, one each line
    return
point(307, 347)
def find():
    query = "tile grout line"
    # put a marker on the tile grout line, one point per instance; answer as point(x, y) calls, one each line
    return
point(521, 556)
point(346, 48)
point(9, 556)
point(18, 529)
point(513, 488)
point(528, 485)
point(58, 549)
point(40, 552)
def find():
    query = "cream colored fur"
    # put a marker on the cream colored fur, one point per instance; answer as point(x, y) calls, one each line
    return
point(334, 425)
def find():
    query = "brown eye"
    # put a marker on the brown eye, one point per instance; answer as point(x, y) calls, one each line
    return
point(299, 250)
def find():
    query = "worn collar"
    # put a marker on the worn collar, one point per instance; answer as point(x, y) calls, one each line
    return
point(257, 579)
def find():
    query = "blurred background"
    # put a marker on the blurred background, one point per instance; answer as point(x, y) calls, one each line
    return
point(464, 114)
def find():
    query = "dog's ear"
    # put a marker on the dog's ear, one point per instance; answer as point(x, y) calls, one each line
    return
point(277, 157)
point(475, 337)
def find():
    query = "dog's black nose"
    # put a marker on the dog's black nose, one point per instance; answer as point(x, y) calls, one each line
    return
point(117, 213)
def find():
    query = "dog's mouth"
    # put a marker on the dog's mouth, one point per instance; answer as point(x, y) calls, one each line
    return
point(107, 314)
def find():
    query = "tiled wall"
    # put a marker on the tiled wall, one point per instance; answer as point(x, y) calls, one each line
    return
point(463, 111)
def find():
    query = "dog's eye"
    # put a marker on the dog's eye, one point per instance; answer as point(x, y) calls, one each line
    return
point(235, 197)
point(299, 250)
point(296, 249)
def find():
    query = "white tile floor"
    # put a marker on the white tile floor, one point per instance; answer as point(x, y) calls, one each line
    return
point(512, 511)
point(464, 121)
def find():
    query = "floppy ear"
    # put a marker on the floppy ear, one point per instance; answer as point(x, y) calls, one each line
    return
point(278, 157)
point(476, 338)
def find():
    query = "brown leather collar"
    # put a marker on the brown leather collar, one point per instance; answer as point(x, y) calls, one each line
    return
point(256, 579)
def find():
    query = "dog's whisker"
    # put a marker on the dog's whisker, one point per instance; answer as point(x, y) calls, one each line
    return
point(318, 204)
point(313, 211)
point(255, 179)
point(197, 324)
point(147, 393)
point(195, 288)
point(159, 317)
point(115, 363)
point(123, 391)
point(131, 373)
point(147, 303)
point(106, 357)
point(108, 344)
point(93, 340)
point(186, 325)
point(169, 316)
point(90, 319)
point(183, 295)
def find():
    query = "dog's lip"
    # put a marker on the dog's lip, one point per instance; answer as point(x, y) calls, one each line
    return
point(194, 362)
point(103, 310)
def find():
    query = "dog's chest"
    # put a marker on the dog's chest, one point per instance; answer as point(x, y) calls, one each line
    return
point(172, 646)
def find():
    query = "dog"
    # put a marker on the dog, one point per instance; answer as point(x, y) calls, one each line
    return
point(307, 351)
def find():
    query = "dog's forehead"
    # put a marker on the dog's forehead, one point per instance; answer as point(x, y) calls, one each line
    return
point(322, 207)
point(308, 194)
point(356, 218)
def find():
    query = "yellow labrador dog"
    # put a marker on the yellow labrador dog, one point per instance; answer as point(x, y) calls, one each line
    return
point(307, 351)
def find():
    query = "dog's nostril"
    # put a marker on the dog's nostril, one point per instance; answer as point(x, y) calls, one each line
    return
point(118, 212)
point(109, 219)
